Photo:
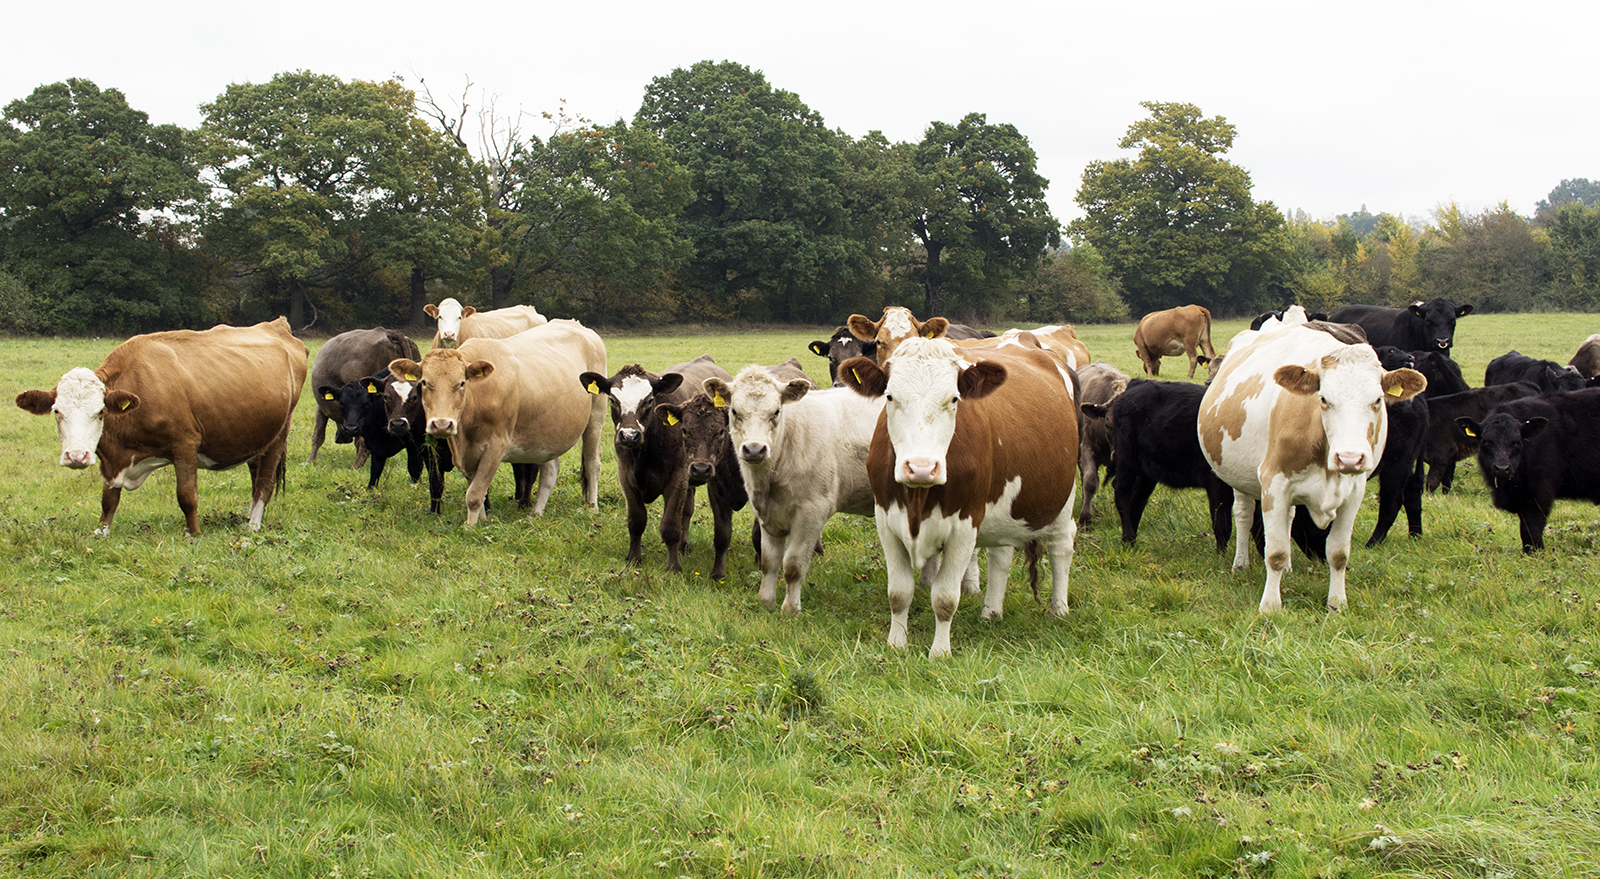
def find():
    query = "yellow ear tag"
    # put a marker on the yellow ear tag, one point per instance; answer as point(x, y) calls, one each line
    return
point(411, 377)
point(1469, 432)
point(594, 388)
point(125, 405)
point(672, 420)
point(372, 388)
point(717, 401)
point(857, 374)
point(327, 396)
point(1394, 391)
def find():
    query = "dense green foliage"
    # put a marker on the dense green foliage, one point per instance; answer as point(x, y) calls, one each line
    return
point(363, 689)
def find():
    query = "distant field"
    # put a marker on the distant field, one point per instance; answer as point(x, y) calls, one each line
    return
point(362, 689)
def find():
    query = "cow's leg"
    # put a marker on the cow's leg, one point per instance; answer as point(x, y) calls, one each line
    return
point(994, 601)
point(902, 585)
point(1339, 531)
point(548, 471)
point(770, 560)
point(264, 476)
point(972, 576)
point(805, 538)
point(187, 468)
point(1447, 478)
point(1089, 471)
point(378, 462)
point(362, 453)
point(1061, 547)
point(480, 475)
point(721, 531)
point(319, 434)
point(413, 464)
point(1220, 498)
point(945, 591)
point(1193, 362)
point(1275, 548)
point(676, 510)
point(592, 436)
point(638, 518)
point(1413, 501)
point(1390, 496)
point(1131, 491)
point(435, 467)
point(1244, 514)
point(1531, 521)
point(110, 497)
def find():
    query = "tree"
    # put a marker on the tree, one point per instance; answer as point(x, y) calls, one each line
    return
point(1072, 286)
point(88, 191)
point(978, 207)
point(1581, 190)
point(1177, 223)
point(1574, 234)
point(769, 220)
point(1492, 260)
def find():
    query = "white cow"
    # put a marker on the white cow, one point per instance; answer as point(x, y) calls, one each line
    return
point(458, 323)
point(1296, 417)
point(803, 455)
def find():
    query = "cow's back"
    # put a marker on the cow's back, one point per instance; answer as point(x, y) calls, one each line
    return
point(500, 323)
point(533, 394)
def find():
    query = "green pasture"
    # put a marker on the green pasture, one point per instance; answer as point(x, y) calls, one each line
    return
point(362, 689)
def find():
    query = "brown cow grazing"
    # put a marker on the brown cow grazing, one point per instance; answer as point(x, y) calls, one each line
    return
point(344, 359)
point(651, 460)
point(1101, 384)
point(899, 324)
point(516, 400)
point(207, 400)
point(974, 448)
point(1182, 330)
point(1587, 360)
point(458, 323)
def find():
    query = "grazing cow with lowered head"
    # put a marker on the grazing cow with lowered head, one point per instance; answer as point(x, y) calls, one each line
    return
point(899, 324)
point(1535, 450)
point(458, 323)
point(1550, 376)
point(1100, 383)
point(1298, 418)
point(346, 358)
point(1587, 359)
point(974, 448)
point(651, 461)
point(206, 400)
point(1443, 374)
point(516, 400)
point(1182, 330)
point(842, 346)
point(803, 456)
point(1420, 326)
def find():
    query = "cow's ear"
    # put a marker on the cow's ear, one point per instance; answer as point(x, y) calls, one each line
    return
point(1468, 426)
point(670, 415)
point(36, 402)
point(327, 392)
point(595, 383)
point(667, 383)
point(373, 386)
point(1415, 308)
point(1202, 359)
point(794, 391)
point(980, 379)
point(1534, 426)
point(410, 370)
point(863, 327)
point(864, 376)
point(118, 402)
point(718, 390)
point(933, 328)
point(479, 369)
point(468, 311)
point(1296, 379)
point(1319, 315)
point(431, 310)
point(1095, 410)
point(1463, 311)
point(1403, 384)
point(818, 348)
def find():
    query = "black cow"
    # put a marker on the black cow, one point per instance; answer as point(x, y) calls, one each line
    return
point(361, 415)
point(1443, 374)
point(1550, 376)
point(1446, 445)
point(1400, 473)
point(841, 347)
point(1537, 449)
point(1277, 314)
point(1421, 326)
point(402, 405)
point(345, 358)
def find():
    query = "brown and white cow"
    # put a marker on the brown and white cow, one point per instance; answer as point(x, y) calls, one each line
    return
point(515, 399)
point(1298, 418)
point(197, 400)
point(1059, 338)
point(458, 323)
point(1587, 358)
point(344, 359)
point(974, 448)
point(803, 455)
point(899, 324)
point(1182, 330)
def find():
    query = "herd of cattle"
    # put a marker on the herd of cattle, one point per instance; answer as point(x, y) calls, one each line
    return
point(950, 438)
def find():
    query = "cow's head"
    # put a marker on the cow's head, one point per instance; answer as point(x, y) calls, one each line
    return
point(896, 326)
point(402, 406)
point(1500, 438)
point(922, 386)
point(704, 426)
point(442, 378)
point(1443, 374)
point(754, 401)
point(840, 348)
point(1439, 321)
point(632, 393)
point(449, 314)
point(356, 400)
point(81, 405)
point(1351, 388)
point(1391, 357)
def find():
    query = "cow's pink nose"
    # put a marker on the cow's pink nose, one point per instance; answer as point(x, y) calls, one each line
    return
point(442, 426)
point(77, 460)
point(922, 471)
point(1349, 462)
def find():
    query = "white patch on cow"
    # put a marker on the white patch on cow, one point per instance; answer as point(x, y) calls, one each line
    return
point(403, 389)
point(896, 324)
point(632, 392)
point(921, 408)
point(256, 509)
point(449, 322)
point(80, 416)
point(134, 475)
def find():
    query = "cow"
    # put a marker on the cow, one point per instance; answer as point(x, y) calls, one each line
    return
point(1445, 444)
point(899, 324)
point(516, 400)
point(1400, 472)
point(708, 456)
point(1100, 383)
point(842, 346)
point(1587, 359)
point(458, 323)
point(651, 460)
point(1298, 418)
point(1182, 330)
point(1534, 450)
point(1443, 374)
point(1062, 339)
point(1294, 314)
point(346, 358)
point(1550, 376)
point(974, 448)
point(197, 400)
point(1154, 443)
point(802, 454)
point(1421, 326)
point(363, 417)
point(402, 406)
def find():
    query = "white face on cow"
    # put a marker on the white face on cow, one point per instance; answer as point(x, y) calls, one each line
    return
point(80, 411)
point(755, 411)
point(449, 322)
point(1349, 389)
point(920, 406)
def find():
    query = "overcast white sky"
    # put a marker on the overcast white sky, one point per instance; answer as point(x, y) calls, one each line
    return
point(1400, 106)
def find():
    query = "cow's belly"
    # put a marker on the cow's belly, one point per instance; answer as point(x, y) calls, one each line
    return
point(1173, 348)
point(1001, 526)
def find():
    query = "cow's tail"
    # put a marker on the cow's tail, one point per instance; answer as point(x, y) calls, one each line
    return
point(1032, 550)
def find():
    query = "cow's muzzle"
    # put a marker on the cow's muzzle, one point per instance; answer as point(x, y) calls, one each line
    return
point(442, 426)
point(400, 426)
point(700, 473)
point(77, 459)
point(753, 453)
point(922, 471)
point(629, 437)
point(1444, 344)
point(1350, 462)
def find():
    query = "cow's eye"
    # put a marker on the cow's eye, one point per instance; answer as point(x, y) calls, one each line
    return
point(888, 398)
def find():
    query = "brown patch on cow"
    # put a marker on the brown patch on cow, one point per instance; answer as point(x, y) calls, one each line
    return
point(1299, 442)
point(1228, 414)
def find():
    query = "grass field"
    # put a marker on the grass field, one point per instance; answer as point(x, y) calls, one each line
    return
point(362, 689)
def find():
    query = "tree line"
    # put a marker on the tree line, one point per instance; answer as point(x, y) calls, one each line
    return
point(354, 203)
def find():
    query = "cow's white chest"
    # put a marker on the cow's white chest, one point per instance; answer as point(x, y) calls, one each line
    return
point(134, 475)
point(935, 531)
